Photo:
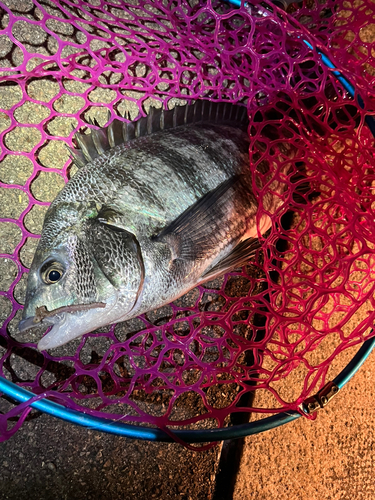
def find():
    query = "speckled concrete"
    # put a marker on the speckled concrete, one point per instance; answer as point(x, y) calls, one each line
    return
point(49, 459)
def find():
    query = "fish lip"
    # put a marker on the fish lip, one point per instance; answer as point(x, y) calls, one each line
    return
point(43, 317)
point(46, 341)
point(29, 323)
point(58, 320)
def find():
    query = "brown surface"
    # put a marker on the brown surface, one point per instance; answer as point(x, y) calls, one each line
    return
point(331, 458)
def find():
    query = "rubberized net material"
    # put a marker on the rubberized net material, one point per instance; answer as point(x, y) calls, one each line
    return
point(197, 361)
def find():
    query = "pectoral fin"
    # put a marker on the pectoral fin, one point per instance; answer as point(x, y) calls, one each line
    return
point(196, 230)
point(239, 256)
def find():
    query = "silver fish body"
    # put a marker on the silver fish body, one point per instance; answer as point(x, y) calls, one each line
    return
point(144, 220)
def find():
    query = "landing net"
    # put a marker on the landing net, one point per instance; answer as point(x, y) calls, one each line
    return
point(274, 328)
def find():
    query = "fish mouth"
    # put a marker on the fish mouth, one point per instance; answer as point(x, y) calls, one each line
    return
point(28, 323)
point(57, 318)
point(42, 314)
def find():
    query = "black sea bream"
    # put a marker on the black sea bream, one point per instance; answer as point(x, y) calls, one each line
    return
point(157, 207)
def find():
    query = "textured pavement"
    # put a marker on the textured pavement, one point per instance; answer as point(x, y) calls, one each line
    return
point(331, 458)
point(49, 459)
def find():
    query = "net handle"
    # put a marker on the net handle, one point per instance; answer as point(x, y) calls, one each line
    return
point(21, 395)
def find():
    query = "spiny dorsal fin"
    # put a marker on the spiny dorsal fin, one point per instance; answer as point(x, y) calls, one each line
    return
point(91, 146)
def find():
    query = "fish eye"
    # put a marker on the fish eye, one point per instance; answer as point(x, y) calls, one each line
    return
point(52, 274)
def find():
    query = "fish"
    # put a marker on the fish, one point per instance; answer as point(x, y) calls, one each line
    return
point(157, 207)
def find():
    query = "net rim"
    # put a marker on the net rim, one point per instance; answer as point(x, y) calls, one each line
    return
point(21, 395)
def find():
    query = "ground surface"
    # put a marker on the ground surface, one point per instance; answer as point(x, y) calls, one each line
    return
point(331, 458)
point(51, 459)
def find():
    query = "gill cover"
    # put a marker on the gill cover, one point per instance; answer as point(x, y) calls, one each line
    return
point(116, 252)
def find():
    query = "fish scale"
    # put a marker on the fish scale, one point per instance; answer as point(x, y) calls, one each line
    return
point(156, 215)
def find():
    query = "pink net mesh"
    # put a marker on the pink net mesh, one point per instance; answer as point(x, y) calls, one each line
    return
point(194, 362)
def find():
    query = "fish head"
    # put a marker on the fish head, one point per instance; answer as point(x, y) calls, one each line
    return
point(85, 274)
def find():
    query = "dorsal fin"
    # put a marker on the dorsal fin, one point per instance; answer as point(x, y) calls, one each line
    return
point(91, 146)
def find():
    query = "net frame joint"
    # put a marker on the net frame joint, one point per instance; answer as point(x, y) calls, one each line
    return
point(321, 399)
